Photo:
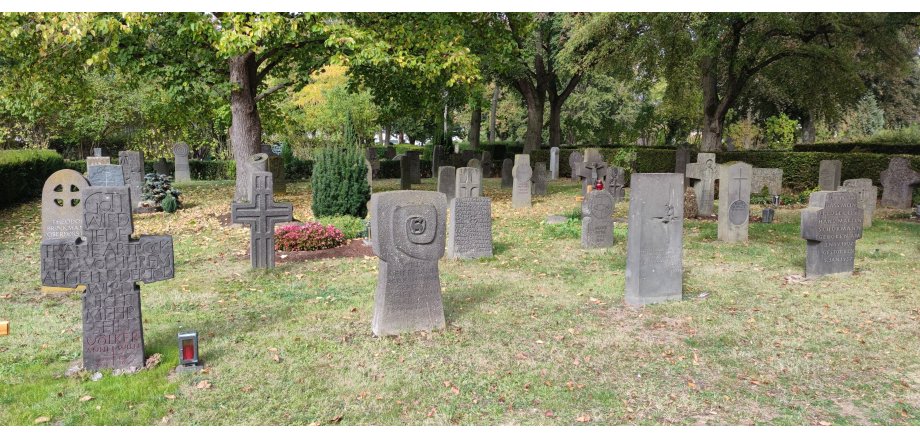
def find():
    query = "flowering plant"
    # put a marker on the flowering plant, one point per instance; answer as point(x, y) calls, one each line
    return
point(310, 236)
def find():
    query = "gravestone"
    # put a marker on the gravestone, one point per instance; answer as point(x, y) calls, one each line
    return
point(487, 164)
point(405, 172)
point(183, 172)
point(654, 270)
point(106, 175)
point(97, 152)
point(97, 161)
point(409, 230)
point(734, 201)
point(468, 183)
point(681, 158)
point(369, 175)
point(261, 213)
point(592, 168)
point(256, 163)
point(62, 208)
point(540, 177)
point(898, 182)
point(520, 194)
point(554, 162)
point(437, 152)
point(831, 225)
point(474, 163)
point(597, 219)
point(771, 178)
point(829, 175)
point(467, 155)
point(507, 178)
point(616, 183)
point(161, 167)
point(470, 231)
point(370, 153)
point(575, 160)
point(702, 176)
point(109, 263)
point(447, 180)
point(866, 197)
point(132, 166)
point(274, 164)
point(390, 152)
point(415, 166)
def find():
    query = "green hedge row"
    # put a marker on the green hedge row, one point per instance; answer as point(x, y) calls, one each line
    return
point(874, 148)
point(208, 170)
point(23, 173)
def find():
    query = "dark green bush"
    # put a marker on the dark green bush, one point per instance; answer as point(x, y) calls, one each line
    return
point(874, 148)
point(157, 187)
point(23, 173)
point(170, 204)
point(390, 169)
point(297, 169)
point(340, 182)
point(212, 169)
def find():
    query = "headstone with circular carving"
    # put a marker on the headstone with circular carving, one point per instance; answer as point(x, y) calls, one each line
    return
point(734, 201)
point(183, 172)
point(62, 208)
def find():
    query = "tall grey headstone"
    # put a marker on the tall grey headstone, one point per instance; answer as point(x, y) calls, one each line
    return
point(132, 165)
point(771, 178)
point(369, 175)
point(866, 197)
point(575, 160)
point(409, 233)
point(405, 172)
point(161, 167)
point(703, 175)
point(734, 201)
point(616, 183)
point(507, 177)
point(829, 175)
point(520, 192)
point(468, 183)
point(898, 181)
point(183, 171)
point(470, 231)
point(681, 159)
point(261, 213)
point(831, 225)
point(62, 208)
point(597, 219)
point(106, 175)
point(487, 164)
point(592, 168)
point(554, 162)
point(109, 263)
point(415, 166)
point(97, 152)
point(540, 179)
point(447, 180)
point(654, 244)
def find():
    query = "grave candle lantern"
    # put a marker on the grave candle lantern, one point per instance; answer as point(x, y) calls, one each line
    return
point(188, 348)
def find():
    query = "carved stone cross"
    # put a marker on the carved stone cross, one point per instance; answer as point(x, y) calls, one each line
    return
point(261, 213)
point(703, 175)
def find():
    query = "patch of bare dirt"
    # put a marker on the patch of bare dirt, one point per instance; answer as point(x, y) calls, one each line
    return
point(354, 248)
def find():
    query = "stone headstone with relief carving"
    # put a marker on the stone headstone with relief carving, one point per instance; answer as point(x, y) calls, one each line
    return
point(62, 205)
point(654, 244)
point(831, 225)
point(866, 197)
point(183, 171)
point(616, 183)
point(597, 219)
point(521, 191)
point(703, 175)
point(734, 201)
point(898, 182)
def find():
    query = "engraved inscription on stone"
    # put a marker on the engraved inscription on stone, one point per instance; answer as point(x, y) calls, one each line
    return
point(520, 195)
point(866, 196)
point(738, 212)
point(734, 200)
point(831, 225)
point(597, 220)
point(470, 228)
point(654, 243)
point(62, 208)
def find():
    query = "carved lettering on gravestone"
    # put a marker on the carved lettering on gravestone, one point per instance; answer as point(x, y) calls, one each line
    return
point(109, 263)
point(520, 194)
point(405, 172)
point(409, 232)
point(507, 177)
point(616, 183)
point(575, 160)
point(470, 231)
point(829, 175)
point(654, 270)
point(734, 201)
point(831, 225)
point(132, 166)
point(261, 213)
point(106, 175)
point(898, 181)
point(540, 177)
point(554, 162)
point(468, 182)
point(183, 171)
point(771, 178)
point(866, 196)
point(62, 209)
point(597, 219)
point(591, 169)
point(447, 180)
point(703, 175)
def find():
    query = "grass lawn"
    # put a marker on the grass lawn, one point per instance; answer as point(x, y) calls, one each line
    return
point(538, 334)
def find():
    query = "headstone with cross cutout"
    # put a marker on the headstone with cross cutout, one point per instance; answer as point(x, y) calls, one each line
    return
point(831, 225)
point(105, 175)
point(520, 192)
point(261, 213)
point(109, 263)
point(447, 180)
point(898, 182)
point(703, 175)
point(592, 168)
point(616, 183)
point(734, 201)
point(597, 219)
point(468, 183)
point(183, 171)
point(62, 208)
point(132, 166)
point(654, 244)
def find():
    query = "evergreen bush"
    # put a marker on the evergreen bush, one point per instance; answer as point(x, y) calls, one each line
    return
point(157, 187)
point(340, 179)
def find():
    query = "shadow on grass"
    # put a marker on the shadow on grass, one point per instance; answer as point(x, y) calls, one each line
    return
point(499, 248)
point(462, 300)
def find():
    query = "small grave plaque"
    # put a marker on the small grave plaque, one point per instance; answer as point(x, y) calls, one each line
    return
point(62, 208)
point(470, 231)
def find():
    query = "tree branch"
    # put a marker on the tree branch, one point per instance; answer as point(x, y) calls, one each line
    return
point(271, 90)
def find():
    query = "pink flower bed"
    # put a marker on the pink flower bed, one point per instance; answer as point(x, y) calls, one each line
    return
point(310, 236)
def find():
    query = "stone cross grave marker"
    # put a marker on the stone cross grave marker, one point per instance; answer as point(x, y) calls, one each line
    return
point(866, 197)
point(898, 181)
point(597, 219)
point(681, 158)
point(829, 175)
point(734, 201)
point(106, 175)
point(470, 231)
point(591, 169)
point(409, 231)
point(447, 180)
point(616, 182)
point(575, 160)
point(540, 176)
point(109, 263)
point(183, 172)
point(62, 208)
point(831, 225)
point(554, 162)
point(507, 177)
point(520, 195)
point(261, 213)
point(132, 165)
point(468, 183)
point(654, 244)
point(405, 172)
point(771, 178)
point(703, 175)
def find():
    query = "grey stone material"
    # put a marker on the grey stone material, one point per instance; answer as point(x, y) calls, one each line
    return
point(97, 152)
point(616, 182)
point(161, 167)
point(109, 263)
point(767, 215)
point(703, 175)
point(370, 153)
point(597, 219)
point(183, 172)
point(771, 178)
point(409, 230)
point(654, 244)
point(829, 175)
point(556, 219)
point(415, 166)
point(390, 152)
point(475, 163)
point(447, 181)
point(554, 162)
point(106, 175)
point(487, 165)
point(866, 197)
point(132, 165)
point(370, 174)
point(470, 231)
point(279, 179)
point(681, 158)
point(831, 225)
point(62, 205)
point(507, 178)
point(467, 155)
point(261, 213)
point(520, 192)
point(405, 172)
point(97, 161)
point(898, 181)
point(575, 160)
point(592, 168)
point(256, 163)
point(468, 183)
point(540, 179)
point(734, 201)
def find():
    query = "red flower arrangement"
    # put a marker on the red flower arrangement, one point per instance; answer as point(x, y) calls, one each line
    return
point(310, 236)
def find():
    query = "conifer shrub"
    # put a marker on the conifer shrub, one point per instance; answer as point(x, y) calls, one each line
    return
point(340, 179)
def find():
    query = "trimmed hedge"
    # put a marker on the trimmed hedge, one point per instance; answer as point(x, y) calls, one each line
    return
point(208, 170)
point(873, 148)
point(24, 171)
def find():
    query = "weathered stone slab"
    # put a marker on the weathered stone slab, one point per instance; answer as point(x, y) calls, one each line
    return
point(109, 263)
point(866, 197)
point(183, 172)
point(554, 162)
point(487, 165)
point(447, 181)
point(591, 169)
point(829, 175)
point(97, 161)
point(597, 219)
point(616, 183)
point(507, 177)
point(415, 166)
point(105, 175)
point(468, 183)
point(161, 167)
point(132, 166)
point(97, 152)
point(831, 225)
point(261, 213)
point(62, 208)
point(654, 269)
point(681, 158)
point(702, 176)
point(279, 179)
point(405, 172)
point(575, 160)
point(474, 163)
point(540, 179)
point(771, 178)
point(409, 232)
point(470, 231)
point(734, 201)
point(520, 194)
point(898, 182)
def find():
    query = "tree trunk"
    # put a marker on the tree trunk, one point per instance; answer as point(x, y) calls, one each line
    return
point(386, 136)
point(475, 126)
point(492, 111)
point(808, 128)
point(246, 127)
point(534, 101)
point(401, 137)
point(712, 119)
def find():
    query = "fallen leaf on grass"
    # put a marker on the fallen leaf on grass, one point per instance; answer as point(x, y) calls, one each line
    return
point(86, 398)
point(337, 419)
point(549, 414)
point(583, 419)
point(276, 358)
point(794, 279)
point(41, 420)
point(824, 423)
point(520, 356)
point(170, 396)
point(152, 361)
point(204, 384)
point(246, 389)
